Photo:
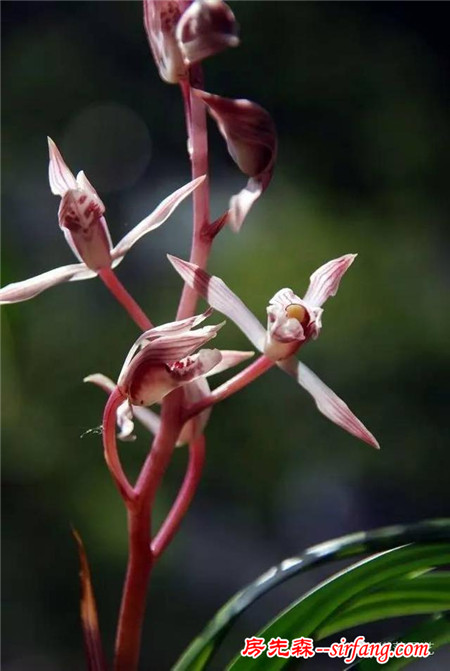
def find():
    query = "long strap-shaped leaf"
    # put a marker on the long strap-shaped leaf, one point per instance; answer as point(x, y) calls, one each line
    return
point(415, 596)
point(435, 630)
point(198, 654)
point(308, 615)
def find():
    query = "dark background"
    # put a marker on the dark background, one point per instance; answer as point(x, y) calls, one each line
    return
point(359, 93)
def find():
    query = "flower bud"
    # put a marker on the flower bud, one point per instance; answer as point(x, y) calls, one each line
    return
point(206, 28)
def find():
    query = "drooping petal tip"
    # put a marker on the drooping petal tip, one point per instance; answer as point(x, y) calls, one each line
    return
point(327, 402)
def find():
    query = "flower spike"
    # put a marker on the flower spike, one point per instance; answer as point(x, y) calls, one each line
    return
point(292, 321)
point(252, 143)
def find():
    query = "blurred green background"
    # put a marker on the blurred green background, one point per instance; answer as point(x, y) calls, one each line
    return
point(359, 93)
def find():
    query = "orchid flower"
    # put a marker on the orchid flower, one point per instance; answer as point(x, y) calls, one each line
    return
point(193, 392)
point(81, 219)
point(181, 33)
point(162, 359)
point(292, 321)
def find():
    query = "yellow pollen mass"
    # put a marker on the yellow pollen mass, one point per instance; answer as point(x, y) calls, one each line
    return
point(295, 311)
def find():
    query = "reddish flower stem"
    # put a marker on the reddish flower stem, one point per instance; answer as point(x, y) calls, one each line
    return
point(159, 456)
point(195, 112)
point(234, 384)
point(140, 558)
point(184, 498)
point(110, 279)
point(132, 610)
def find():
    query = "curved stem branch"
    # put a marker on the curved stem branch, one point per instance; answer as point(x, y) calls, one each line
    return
point(184, 498)
point(110, 447)
point(231, 386)
point(110, 279)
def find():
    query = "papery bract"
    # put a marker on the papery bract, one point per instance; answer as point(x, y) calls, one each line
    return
point(206, 28)
point(251, 140)
point(324, 283)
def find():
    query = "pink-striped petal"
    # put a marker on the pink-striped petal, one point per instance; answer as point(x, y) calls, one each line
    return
point(166, 350)
point(221, 298)
point(327, 402)
point(229, 359)
point(324, 282)
point(179, 326)
point(84, 184)
point(242, 202)
point(23, 291)
point(60, 177)
point(164, 330)
point(156, 218)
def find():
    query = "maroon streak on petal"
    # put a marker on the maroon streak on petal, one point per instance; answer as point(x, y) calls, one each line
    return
point(327, 402)
point(324, 282)
point(156, 218)
point(60, 177)
point(88, 611)
point(221, 298)
point(23, 291)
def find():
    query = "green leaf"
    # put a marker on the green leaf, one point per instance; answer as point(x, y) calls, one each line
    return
point(308, 615)
point(200, 651)
point(435, 631)
point(418, 596)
